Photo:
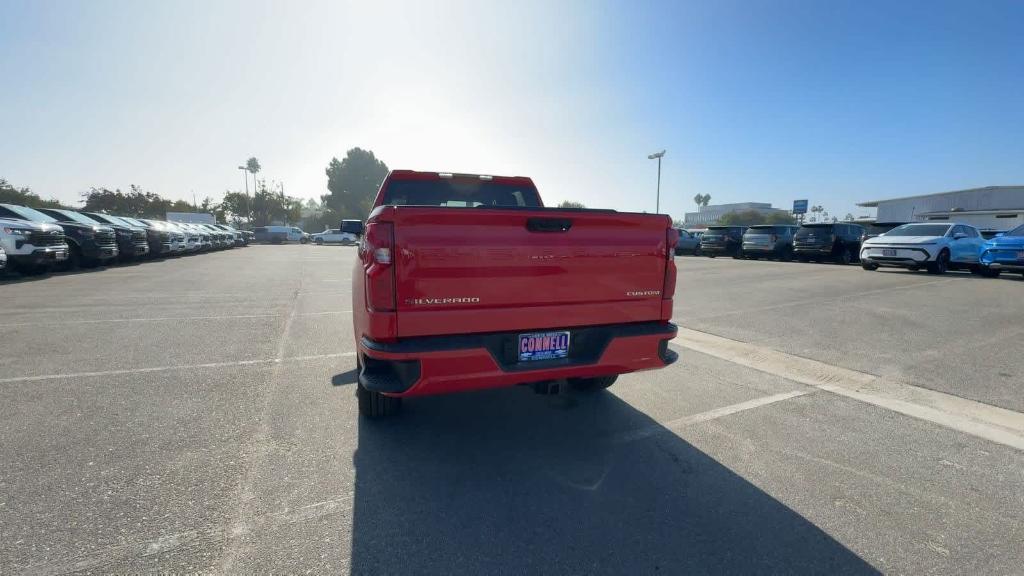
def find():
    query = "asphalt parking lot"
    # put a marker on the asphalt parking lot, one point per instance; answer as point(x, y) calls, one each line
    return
point(198, 415)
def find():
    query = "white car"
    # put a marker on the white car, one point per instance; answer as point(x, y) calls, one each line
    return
point(31, 247)
point(934, 246)
point(333, 236)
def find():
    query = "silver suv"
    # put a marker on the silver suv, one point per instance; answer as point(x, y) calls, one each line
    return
point(769, 241)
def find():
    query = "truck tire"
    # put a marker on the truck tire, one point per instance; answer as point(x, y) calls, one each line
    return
point(592, 384)
point(376, 405)
point(868, 265)
point(844, 257)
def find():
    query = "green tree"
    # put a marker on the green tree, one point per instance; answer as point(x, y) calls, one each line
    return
point(571, 204)
point(744, 218)
point(252, 166)
point(698, 199)
point(352, 183)
point(779, 218)
point(236, 207)
point(24, 197)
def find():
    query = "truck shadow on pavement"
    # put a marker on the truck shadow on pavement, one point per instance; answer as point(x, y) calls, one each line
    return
point(507, 482)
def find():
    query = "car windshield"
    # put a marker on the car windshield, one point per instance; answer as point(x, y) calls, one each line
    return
point(76, 217)
point(118, 220)
point(29, 213)
point(1018, 231)
point(762, 230)
point(919, 230)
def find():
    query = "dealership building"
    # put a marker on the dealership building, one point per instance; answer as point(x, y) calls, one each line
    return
point(989, 208)
point(710, 214)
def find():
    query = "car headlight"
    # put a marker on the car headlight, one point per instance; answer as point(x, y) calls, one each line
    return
point(18, 231)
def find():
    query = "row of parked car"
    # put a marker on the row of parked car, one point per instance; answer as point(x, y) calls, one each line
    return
point(932, 246)
point(36, 240)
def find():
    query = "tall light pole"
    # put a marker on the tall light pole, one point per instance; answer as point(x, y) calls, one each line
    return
point(657, 201)
point(245, 174)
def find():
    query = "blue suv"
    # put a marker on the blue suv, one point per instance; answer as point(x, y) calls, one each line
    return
point(1004, 252)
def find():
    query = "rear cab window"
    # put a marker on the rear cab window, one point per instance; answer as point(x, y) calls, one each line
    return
point(460, 192)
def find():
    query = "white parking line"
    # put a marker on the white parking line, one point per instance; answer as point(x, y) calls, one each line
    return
point(675, 425)
point(170, 368)
point(166, 319)
point(817, 301)
point(143, 548)
point(968, 416)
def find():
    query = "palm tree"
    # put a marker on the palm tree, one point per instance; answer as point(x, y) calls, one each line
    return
point(698, 199)
point(252, 166)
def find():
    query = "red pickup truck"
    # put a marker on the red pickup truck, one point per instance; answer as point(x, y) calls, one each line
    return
point(466, 282)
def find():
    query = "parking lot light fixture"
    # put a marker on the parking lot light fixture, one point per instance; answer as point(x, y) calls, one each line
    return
point(657, 200)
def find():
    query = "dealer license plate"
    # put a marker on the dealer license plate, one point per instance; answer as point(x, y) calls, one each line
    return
point(543, 346)
point(888, 252)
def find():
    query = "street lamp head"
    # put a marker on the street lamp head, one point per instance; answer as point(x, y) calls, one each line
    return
point(656, 155)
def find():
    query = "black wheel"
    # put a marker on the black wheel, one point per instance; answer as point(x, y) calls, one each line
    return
point(711, 255)
point(941, 263)
point(990, 273)
point(592, 384)
point(844, 257)
point(802, 259)
point(786, 255)
point(375, 404)
point(319, 241)
point(868, 266)
point(303, 241)
point(696, 251)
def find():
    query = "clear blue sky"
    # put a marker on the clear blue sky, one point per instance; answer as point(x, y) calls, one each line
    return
point(837, 102)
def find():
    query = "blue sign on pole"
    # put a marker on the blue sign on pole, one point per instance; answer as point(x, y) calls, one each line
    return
point(799, 206)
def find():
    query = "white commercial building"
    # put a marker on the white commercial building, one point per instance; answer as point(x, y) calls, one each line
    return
point(991, 208)
point(710, 214)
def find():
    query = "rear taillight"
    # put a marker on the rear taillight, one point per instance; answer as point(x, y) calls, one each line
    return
point(378, 256)
point(669, 288)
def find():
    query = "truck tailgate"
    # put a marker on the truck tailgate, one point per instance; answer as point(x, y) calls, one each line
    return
point(471, 270)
